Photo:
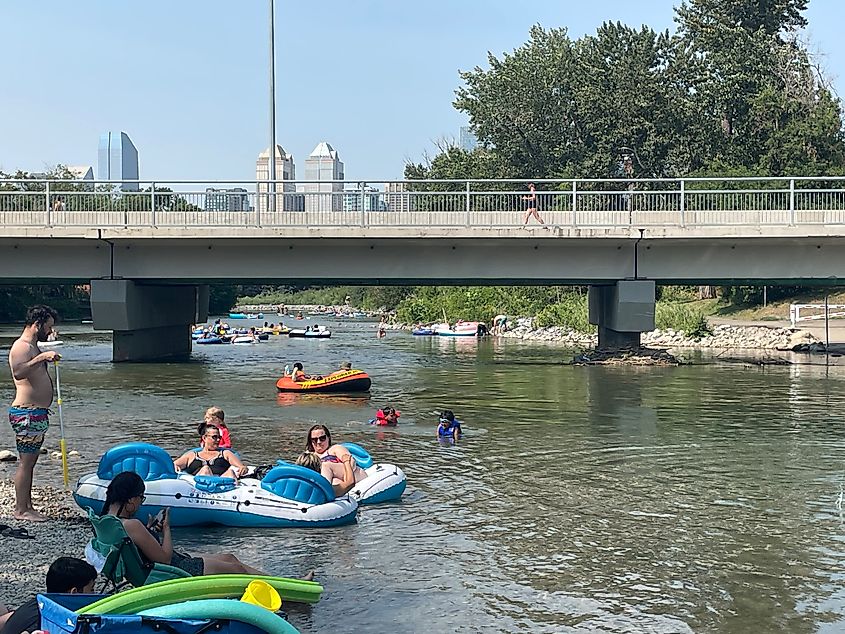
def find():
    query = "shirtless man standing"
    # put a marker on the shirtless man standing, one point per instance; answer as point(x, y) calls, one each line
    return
point(29, 412)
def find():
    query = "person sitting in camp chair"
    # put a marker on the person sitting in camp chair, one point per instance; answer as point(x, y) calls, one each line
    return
point(124, 496)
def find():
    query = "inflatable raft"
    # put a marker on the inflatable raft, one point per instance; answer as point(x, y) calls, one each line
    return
point(344, 381)
point(310, 333)
point(384, 482)
point(288, 495)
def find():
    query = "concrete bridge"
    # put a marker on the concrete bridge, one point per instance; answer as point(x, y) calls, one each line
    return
point(151, 253)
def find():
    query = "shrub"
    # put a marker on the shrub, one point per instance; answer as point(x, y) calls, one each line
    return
point(690, 321)
point(570, 312)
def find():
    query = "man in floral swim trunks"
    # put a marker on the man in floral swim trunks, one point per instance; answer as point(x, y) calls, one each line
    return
point(29, 412)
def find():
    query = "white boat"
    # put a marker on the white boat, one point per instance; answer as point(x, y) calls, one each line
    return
point(50, 344)
point(287, 496)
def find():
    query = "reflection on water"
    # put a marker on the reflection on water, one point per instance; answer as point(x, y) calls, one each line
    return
point(700, 498)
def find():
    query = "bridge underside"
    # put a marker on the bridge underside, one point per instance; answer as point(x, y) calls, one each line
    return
point(521, 260)
point(148, 291)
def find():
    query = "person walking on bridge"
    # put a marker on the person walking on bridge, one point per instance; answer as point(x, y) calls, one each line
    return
point(531, 210)
point(29, 413)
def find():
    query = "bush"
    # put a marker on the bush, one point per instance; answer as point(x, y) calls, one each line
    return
point(677, 316)
point(570, 312)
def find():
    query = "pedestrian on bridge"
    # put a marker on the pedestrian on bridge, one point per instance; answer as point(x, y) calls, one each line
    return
point(531, 210)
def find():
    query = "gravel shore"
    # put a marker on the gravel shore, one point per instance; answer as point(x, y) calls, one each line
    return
point(24, 562)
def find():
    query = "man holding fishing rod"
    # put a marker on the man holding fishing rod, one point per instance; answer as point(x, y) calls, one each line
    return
point(29, 413)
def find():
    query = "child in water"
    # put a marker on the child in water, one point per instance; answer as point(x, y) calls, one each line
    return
point(387, 416)
point(449, 426)
point(214, 416)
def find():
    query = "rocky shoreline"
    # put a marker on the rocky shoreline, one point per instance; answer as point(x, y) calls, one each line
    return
point(24, 563)
point(724, 336)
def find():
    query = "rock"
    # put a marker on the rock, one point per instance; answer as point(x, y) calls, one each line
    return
point(7, 456)
point(73, 452)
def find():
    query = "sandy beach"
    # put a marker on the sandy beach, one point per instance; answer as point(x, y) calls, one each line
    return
point(24, 564)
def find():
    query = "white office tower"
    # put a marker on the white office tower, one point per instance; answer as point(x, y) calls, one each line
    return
point(323, 164)
point(286, 199)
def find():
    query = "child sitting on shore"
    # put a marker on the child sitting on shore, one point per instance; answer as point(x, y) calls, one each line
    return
point(214, 416)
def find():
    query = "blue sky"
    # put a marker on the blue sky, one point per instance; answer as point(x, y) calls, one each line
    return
point(188, 79)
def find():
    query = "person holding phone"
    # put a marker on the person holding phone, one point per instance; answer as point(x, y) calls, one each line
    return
point(125, 495)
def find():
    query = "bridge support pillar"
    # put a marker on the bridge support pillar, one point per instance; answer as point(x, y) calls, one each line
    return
point(622, 311)
point(150, 322)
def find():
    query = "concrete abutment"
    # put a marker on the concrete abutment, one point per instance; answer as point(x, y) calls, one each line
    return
point(150, 322)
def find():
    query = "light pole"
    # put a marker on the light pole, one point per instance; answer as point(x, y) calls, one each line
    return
point(271, 206)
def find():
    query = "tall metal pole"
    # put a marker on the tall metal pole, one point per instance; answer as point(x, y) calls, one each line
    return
point(272, 157)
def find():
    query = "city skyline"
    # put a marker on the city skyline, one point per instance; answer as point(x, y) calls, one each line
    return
point(399, 108)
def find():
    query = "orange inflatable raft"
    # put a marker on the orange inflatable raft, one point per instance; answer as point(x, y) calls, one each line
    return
point(344, 381)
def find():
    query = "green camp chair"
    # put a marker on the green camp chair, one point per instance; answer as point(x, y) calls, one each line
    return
point(123, 563)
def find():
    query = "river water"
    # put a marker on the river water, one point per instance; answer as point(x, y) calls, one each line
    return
point(702, 498)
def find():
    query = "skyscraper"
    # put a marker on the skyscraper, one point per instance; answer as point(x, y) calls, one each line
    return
point(234, 199)
point(468, 140)
point(285, 171)
point(323, 164)
point(117, 159)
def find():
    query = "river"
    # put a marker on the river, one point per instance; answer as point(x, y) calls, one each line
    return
point(701, 498)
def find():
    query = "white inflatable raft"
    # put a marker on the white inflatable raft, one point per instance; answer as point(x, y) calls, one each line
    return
point(288, 495)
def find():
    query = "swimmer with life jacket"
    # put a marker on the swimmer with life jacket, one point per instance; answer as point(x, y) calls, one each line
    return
point(387, 416)
point(449, 426)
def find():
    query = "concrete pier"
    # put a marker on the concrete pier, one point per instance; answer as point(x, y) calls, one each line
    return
point(151, 322)
point(622, 312)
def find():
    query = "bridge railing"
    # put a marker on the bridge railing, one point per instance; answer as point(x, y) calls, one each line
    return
point(585, 203)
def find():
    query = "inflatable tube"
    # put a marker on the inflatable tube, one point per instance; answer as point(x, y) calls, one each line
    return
point(196, 588)
point(243, 339)
point(209, 340)
point(237, 315)
point(423, 332)
point(225, 609)
point(343, 381)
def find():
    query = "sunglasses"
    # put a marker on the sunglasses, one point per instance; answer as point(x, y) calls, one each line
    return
point(319, 438)
point(143, 498)
point(214, 436)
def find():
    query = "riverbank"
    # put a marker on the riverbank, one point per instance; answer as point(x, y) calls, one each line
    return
point(24, 564)
point(723, 336)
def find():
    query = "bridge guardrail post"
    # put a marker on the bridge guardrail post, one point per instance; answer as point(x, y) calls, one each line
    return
point(48, 207)
point(467, 206)
point(683, 203)
point(791, 202)
point(363, 204)
point(574, 203)
point(152, 204)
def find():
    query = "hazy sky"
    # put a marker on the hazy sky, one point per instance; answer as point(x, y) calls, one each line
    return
point(188, 79)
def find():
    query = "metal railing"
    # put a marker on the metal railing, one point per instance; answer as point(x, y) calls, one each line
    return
point(578, 203)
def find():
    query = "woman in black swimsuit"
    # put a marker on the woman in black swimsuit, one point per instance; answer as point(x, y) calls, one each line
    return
point(210, 459)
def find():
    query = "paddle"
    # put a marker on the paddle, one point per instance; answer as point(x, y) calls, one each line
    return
point(62, 444)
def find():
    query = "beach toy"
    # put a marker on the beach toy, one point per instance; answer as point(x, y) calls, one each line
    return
point(225, 609)
point(262, 594)
point(194, 588)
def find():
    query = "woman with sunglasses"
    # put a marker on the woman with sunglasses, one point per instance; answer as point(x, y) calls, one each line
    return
point(125, 495)
point(319, 440)
point(210, 459)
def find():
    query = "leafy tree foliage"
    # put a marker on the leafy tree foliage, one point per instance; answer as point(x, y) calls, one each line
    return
point(733, 92)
